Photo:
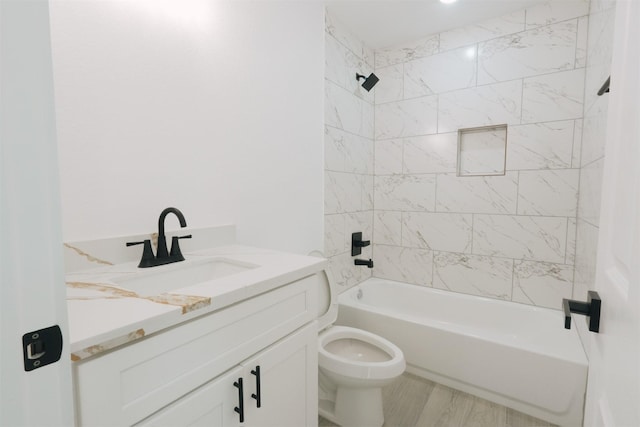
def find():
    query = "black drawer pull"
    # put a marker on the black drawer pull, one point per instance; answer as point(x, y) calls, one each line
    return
point(256, 395)
point(240, 408)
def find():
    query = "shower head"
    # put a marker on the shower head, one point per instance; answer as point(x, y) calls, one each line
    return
point(369, 82)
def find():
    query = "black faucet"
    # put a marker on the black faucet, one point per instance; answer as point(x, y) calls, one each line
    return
point(162, 255)
point(161, 252)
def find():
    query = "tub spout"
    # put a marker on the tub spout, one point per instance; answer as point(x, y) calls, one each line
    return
point(364, 262)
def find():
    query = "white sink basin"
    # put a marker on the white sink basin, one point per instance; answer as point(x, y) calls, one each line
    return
point(168, 278)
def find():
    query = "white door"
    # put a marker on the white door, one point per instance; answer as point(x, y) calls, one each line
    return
point(32, 290)
point(613, 393)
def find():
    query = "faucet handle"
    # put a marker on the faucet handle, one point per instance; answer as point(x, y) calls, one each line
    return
point(147, 253)
point(175, 253)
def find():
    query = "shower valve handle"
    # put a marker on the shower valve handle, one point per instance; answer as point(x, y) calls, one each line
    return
point(357, 243)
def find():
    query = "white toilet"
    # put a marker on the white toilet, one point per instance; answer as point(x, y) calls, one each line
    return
point(354, 365)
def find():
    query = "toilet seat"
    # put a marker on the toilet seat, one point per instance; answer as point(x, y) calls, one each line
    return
point(360, 369)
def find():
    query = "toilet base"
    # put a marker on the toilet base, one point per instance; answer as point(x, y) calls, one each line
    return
point(355, 407)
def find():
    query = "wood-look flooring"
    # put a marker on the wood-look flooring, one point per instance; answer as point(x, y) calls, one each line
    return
point(412, 401)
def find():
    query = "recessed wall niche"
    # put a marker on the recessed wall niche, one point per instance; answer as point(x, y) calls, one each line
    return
point(482, 150)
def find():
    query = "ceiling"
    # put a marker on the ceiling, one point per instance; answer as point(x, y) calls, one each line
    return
point(383, 23)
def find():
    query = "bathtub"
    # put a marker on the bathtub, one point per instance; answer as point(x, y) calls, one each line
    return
point(515, 355)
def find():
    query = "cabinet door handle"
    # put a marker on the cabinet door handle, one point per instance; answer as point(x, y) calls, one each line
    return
point(256, 395)
point(240, 408)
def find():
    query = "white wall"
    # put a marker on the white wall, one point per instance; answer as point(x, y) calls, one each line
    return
point(212, 107)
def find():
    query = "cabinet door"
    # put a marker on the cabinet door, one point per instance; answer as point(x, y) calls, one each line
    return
point(211, 405)
point(288, 377)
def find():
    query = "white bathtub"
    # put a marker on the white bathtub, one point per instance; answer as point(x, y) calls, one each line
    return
point(516, 355)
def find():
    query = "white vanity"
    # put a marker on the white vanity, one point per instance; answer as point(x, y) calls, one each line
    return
point(235, 349)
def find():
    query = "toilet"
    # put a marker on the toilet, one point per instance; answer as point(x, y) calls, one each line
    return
point(353, 365)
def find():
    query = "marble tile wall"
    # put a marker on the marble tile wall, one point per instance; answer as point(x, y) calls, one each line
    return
point(349, 151)
point(591, 155)
point(510, 237)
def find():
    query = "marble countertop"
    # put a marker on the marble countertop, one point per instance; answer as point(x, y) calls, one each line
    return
point(103, 316)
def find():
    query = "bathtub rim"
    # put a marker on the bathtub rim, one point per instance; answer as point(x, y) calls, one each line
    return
point(348, 298)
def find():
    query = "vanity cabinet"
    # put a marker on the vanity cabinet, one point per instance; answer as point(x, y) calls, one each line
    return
point(185, 375)
point(285, 371)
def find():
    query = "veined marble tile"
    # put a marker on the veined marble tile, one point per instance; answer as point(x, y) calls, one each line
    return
point(368, 120)
point(442, 72)
point(555, 11)
point(556, 96)
point(368, 56)
point(437, 231)
point(366, 182)
point(591, 192)
point(533, 238)
point(480, 106)
point(358, 152)
point(570, 257)
point(540, 145)
point(594, 134)
point(343, 192)
point(390, 86)
point(334, 235)
point(548, 192)
point(529, 53)
point(407, 52)
point(343, 271)
point(541, 283)
point(405, 192)
point(342, 110)
point(431, 153)
point(334, 149)
point(577, 143)
point(485, 30)
point(334, 61)
point(346, 152)
point(477, 194)
point(482, 152)
point(407, 118)
point(407, 265)
point(338, 30)
point(387, 228)
point(471, 274)
point(581, 42)
point(388, 157)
